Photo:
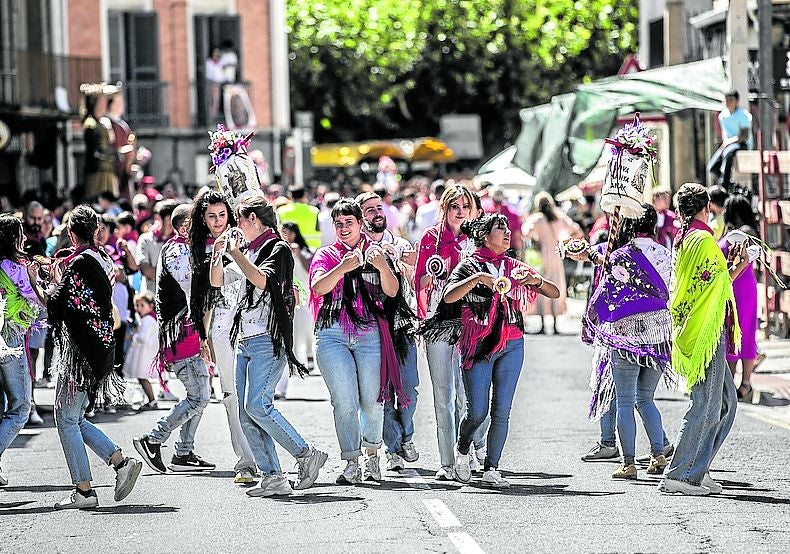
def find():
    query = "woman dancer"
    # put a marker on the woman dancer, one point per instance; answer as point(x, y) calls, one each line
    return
point(20, 304)
point(738, 215)
point(631, 329)
point(304, 339)
point(440, 249)
point(80, 313)
point(263, 330)
point(354, 348)
point(212, 216)
point(493, 291)
point(546, 226)
point(703, 312)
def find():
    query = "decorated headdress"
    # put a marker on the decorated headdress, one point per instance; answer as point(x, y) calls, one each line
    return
point(633, 151)
point(236, 174)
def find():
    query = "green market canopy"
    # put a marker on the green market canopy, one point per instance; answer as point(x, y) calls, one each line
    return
point(562, 141)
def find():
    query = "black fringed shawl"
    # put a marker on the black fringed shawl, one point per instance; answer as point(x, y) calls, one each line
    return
point(172, 308)
point(80, 313)
point(277, 264)
point(401, 318)
point(447, 324)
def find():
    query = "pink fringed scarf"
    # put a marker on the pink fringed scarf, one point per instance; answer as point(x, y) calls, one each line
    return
point(500, 313)
point(449, 248)
point(325, 260)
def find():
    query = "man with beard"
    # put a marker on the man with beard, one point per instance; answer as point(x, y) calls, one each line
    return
point(398, 413)
point(35, 245)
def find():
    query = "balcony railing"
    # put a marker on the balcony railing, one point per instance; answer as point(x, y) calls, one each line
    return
point(37, 78)
point(145, 103)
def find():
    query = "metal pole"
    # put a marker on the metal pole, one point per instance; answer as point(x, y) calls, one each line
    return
point(766, 109)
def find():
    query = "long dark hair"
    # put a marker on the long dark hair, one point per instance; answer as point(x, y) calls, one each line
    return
point(738, 213)
point(298, 237)
point(544, 203)
point(10, 231)
point(644, 225)
point(198, 230)
point(691, 199)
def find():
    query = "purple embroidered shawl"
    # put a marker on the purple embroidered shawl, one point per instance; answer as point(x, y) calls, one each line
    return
point(628, 313)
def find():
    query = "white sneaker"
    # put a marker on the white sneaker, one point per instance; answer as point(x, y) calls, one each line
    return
point(3, 480)
point(395, 462)
point(409, 452)
point(110, 410)
point(75, 501)
point(352, 475)
point(672, 486)
point(245, 476)
point(126, 476)
point(167, 395)
point(463, 472)
point(474, 465)
point(714, 486)
point(480, 454)
point(309, 467)
point(275, 484)
point(372, 469)
point(445, 473)
point(34, 418)
point(493, 479)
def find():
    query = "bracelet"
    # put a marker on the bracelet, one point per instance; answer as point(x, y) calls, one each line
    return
point(542, 280)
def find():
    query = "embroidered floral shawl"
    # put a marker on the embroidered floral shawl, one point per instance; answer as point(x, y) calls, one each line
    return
point(80, 312)
point(701, 299)
point(627, 313)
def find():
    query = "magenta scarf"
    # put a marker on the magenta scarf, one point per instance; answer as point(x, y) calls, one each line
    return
point(437, 240)
point(502, 306)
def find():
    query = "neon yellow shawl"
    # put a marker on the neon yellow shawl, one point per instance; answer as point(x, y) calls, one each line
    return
point(701, 294)
point(17, 308)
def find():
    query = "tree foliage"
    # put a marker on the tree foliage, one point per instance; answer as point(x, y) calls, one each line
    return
point(384, 68)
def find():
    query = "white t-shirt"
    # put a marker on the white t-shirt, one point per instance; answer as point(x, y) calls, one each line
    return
point(253, 322)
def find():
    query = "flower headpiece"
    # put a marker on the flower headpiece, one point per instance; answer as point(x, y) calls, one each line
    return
point(225, 143)
point(635, 138)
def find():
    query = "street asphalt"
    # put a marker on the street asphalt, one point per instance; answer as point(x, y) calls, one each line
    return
point(557, 502)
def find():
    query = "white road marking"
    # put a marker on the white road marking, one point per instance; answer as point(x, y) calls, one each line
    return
point(766, 419)
point(415, 479)
point(465, 543)
point(441, 513)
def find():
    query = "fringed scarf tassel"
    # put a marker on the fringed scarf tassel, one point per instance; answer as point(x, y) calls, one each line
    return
point(390, 368)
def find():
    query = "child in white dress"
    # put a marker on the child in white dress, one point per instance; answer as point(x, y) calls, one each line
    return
point(145, 345)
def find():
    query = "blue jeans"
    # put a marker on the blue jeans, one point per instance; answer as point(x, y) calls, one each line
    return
point(707, 422)
point(193, 373)
point(449, 399)
point(351, 368)
point(609, 425)
point(501, 371)
point(635, 386)
point(15, 385)
point(257, 373)
point(399, 422)
point(75, 432)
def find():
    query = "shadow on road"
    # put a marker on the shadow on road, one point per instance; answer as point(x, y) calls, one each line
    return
point(15, 509)
point(538, 475)
point(122, 509)
point(541, 490)
point(44, 488)
point(315, 498)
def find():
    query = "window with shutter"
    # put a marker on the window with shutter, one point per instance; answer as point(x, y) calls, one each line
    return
point(210, 31)
point(134, 59)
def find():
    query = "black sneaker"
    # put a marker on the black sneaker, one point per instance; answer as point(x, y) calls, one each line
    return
point(151, 453)
point(190, 462)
